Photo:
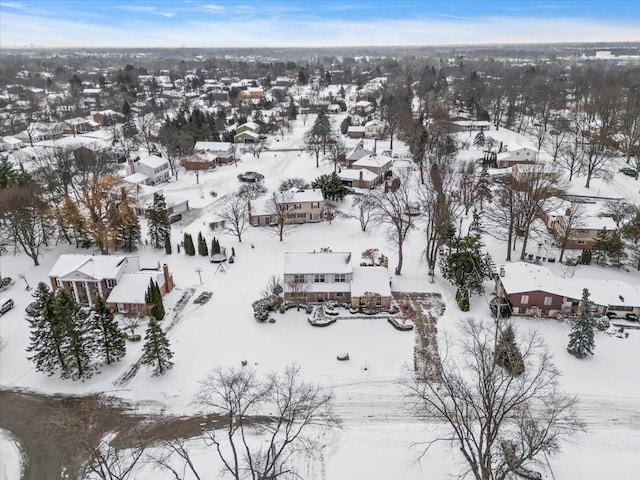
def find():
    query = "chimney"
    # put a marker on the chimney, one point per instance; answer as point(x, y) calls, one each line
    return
point(168, 279)
point(360, 175)
point(567, 212)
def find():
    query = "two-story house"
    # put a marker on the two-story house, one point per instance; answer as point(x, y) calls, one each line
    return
point(366, 172)
point(116, 278)
point(155, 168)
point(585, 220)
point(323, 276)
point(299, 206)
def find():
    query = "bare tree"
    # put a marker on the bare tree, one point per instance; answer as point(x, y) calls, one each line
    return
point(556, 138)
point(26, 218)
point(620, 212)
point(500, 423)
point(467, 184)
point(391, 212)
point(146, 125)
point(567, 226)
point(277, 208)
point(235, 214)
point(365, 208)
point(596, 154)
point(97, 432)
point(570, 153)
point(313, 144)
point(298, 291)
point(293, 405)
point(503, 214)
point(440, 209)
point(337, 151)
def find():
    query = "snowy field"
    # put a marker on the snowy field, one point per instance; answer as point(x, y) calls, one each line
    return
point(378, 432)
point(10, 457)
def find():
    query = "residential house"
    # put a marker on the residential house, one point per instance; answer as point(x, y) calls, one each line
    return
point(355, 131)
point(141, 195)
point(586, 225)
point(374, 129)
point(518, 156)
point(469, 125)
point(116, 278)
point(247, 133)
point(251, 93)
point(224, 151)
point(302, 206)
point(330, 276)
point(73, 126)
point(11, 143)
point(357, 153)
point(108, 117)
point(363, 107)
point(361, 178)
point(533, 290)
point(379, 165)
point(155, 168)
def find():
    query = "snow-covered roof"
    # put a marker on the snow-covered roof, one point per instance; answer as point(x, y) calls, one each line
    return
point(97, 267)
point(131, 287)
point(248, 133)
point(298, 196)
point(136, 178)
point(250, 125)
point(317, 262)
point(11, 141)
point(212, 146)
point(374, 122)
point(372, 161)
point(355, 129)
point(527, 277)
point(370, 279)
point(357, 153)
point(352, 174)
point(153, 161)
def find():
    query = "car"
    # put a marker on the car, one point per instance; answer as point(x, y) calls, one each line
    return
point(633, 317)
point(629, 172)
point(176, 217)
point(5, 306)
point(611, 315)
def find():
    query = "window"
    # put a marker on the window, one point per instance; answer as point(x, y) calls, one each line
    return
point(134, 307)
point(316, 216)
point(338, 294)
point(315, 205)
point(121, 308)
point(298, 278)
point(340, 278)
point(58, 282)
point(522, 310)
point(319, 278)
point(548, 301)
point(297, 206)
point(110, 282)
point(524, 299)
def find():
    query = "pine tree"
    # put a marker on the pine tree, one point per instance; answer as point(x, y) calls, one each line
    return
point(189, 249)
point(156, 352)
point(203, 250)
point(167, 244)
point(46, 339)
point(110, 344)
point(153, 297)
point(77, 334)
point(581, 337)
point(215, 246)
point(507, 354)
point(159, 225)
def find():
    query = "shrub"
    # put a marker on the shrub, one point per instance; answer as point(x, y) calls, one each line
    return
point(462, 298)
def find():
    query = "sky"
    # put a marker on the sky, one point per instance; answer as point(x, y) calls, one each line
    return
point(312, 23)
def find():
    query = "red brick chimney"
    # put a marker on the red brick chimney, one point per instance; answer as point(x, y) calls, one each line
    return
point(168, 278)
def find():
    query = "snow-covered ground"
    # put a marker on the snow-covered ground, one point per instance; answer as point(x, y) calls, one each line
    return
point(10, 457)
point(378, 431)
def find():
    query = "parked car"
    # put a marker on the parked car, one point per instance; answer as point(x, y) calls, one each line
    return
point(5, 306)
point(611, 315)
point(251, 177)
point(632, 317)
point(629, 172)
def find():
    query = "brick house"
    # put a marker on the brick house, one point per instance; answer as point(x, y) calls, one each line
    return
point(533, 290)
point(330, 276)
point(116, 278)
point(224, 151)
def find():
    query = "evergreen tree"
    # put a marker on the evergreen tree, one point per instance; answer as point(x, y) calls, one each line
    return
point(507, 354)
point(475, 228)
point(110, 343)
point(128, 233)
point(8, 174)
point(47, 338)
point(159, 225)
point(466, 266)
point(203, 250)
point(483, 189)
point(215, 246)
point(189, 249)
point(156, 352)
point(77, 334)
point(581, 337)
point(153, 297)
point(478, 141)
point(167, 244)
point(292, 110)
point(331, 186)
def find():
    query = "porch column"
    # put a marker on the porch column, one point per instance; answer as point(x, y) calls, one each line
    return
point(75, 291)
point(86, 289)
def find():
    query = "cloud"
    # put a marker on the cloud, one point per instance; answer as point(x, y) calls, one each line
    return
point(136, 8)
point(212, 7)
point(19, 6)
point(165, 14)
point(295, 31)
